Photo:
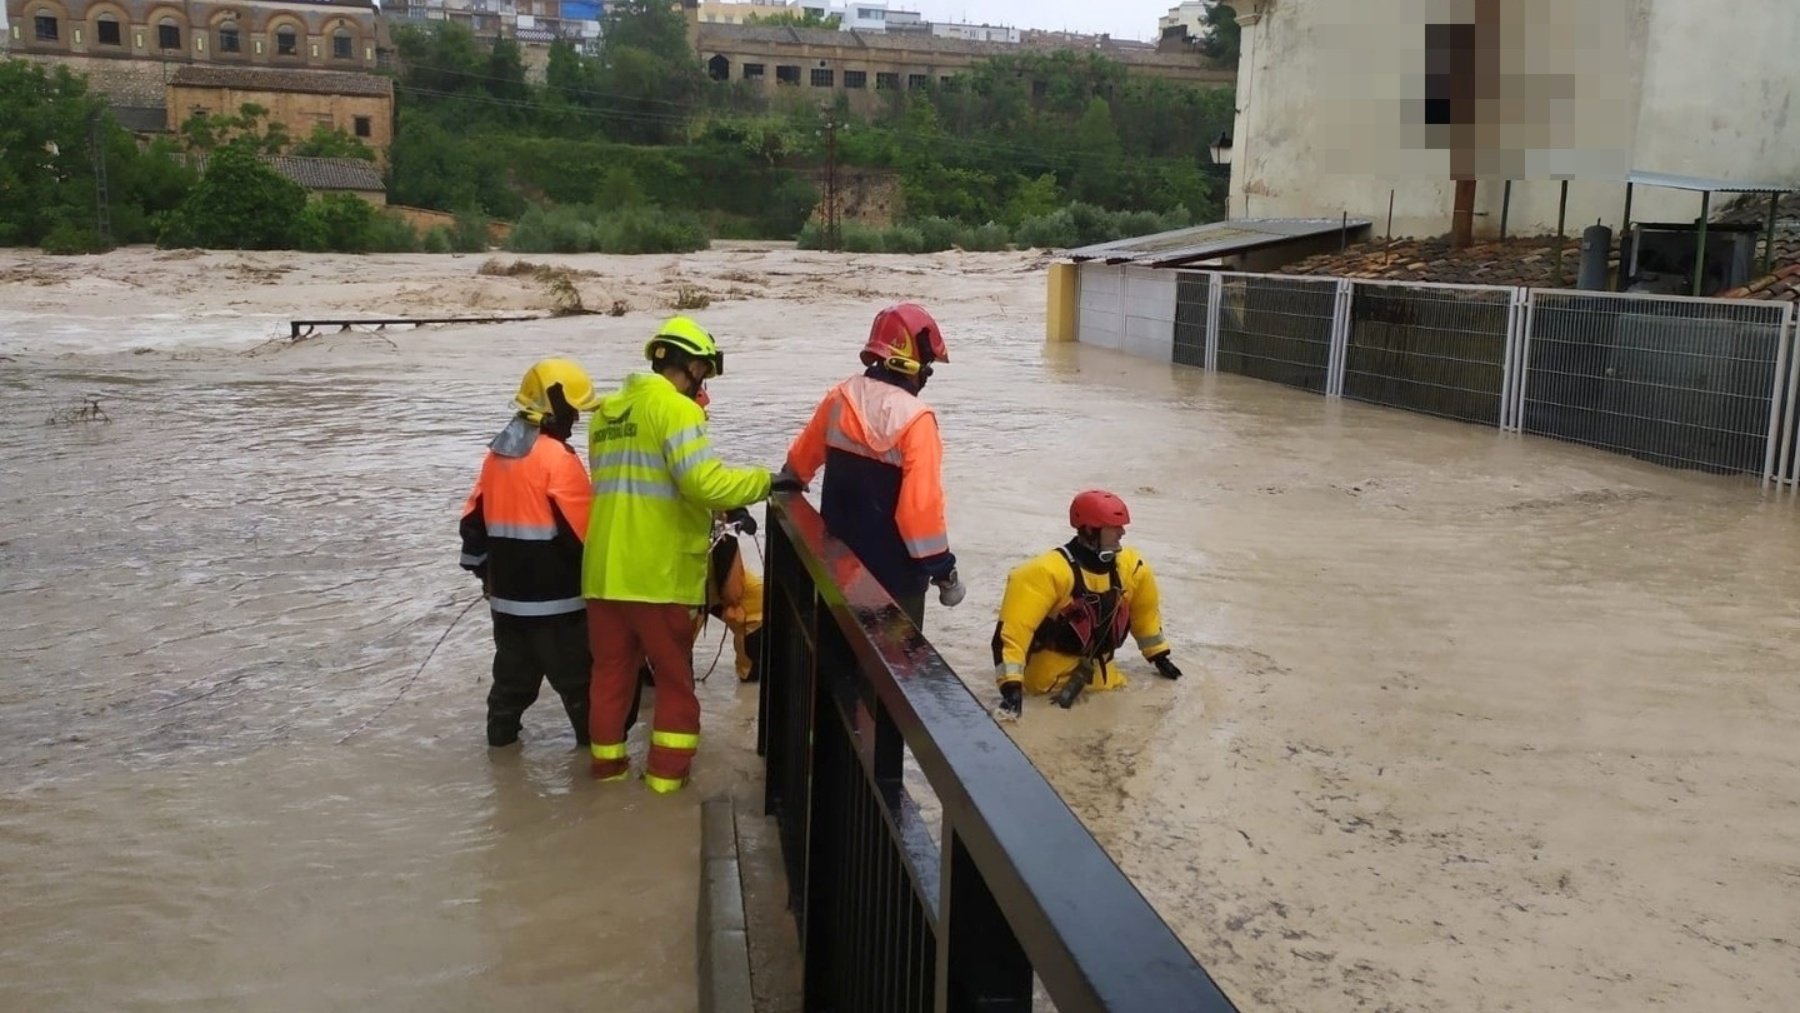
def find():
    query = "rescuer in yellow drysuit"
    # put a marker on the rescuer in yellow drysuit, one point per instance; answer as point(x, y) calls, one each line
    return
point(1051, 639)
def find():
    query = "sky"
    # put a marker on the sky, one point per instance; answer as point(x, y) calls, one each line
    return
point(1125, 19)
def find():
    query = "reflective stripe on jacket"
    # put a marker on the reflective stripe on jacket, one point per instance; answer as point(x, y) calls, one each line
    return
point(883, 494)
point(656, 485)
point(524, 522)
point(1042, 587)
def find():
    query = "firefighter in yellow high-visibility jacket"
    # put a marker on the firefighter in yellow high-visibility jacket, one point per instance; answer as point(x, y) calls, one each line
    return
point(1065, 612)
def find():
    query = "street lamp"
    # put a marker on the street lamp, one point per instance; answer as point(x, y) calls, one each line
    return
point(1221, 149)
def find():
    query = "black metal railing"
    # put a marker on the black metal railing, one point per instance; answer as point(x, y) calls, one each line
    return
point(889, 918)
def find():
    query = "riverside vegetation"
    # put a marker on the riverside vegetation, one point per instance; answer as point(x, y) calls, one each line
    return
point(633, 150)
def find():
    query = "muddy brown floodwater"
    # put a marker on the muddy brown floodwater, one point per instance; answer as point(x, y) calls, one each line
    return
point(1470, 721)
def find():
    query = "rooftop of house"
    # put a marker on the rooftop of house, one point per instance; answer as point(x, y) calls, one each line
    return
point(1532, 263)
point(1517, 262)
point(325, 174)
point(309, 82)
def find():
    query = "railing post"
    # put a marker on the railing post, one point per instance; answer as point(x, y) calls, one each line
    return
point(1780, 392)
point(1215, 294)
point(980, 964)
point(1339, 353)
point(1509, 363)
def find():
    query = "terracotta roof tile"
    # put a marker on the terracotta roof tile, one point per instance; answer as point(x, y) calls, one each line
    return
point(312, 82)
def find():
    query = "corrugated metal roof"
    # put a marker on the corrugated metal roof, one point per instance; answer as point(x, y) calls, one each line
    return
point(315, 173)
point(1217, 239)
point(1639, 177)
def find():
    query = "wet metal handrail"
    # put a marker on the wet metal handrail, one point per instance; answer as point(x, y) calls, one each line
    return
point(890, 919)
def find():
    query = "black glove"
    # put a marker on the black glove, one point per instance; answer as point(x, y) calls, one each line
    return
point(481, 574)
point(1012, 702)
point(741, 517)
point(1165, 667)
point(785, 481)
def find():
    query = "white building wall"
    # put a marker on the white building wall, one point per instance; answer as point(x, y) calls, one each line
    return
point(1329, 94)
point(1150, 313)
point(1102, 307)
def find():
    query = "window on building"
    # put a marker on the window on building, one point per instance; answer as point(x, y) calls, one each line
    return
point(340, 44)
point(168, 34)
point(46, 28)
point(787, 73)
point(106, 31)
point(719, 68)
point(856, 79)
point(364, 126)
point(822, 77)
point(229, 40)
point(887, 82)
point(753, 72)
point(917, 81)
point(944, 80)
point(287, 43)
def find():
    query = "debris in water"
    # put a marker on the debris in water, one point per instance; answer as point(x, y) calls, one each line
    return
point(88, 410)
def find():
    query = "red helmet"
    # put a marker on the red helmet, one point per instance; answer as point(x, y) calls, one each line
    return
point(1098, 508)
point(905, 338)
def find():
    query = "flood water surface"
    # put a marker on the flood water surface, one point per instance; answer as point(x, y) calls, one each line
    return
point(1469, 721)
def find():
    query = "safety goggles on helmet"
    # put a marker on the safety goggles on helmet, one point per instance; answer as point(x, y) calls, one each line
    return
point(684, 335)
point(906, 339)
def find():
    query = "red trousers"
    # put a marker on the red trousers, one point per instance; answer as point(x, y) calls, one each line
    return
point(620, 635)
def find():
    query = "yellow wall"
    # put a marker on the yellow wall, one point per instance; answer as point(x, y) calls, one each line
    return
point(1061, 305)
point(298, 111)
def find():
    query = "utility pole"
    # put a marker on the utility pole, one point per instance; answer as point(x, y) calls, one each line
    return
point(102, 202)
point(833, 230)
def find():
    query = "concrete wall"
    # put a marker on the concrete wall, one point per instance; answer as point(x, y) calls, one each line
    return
point(299, 112)
point(1330, 109)
point(1127, 309)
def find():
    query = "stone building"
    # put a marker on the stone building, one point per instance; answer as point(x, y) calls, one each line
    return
point(361, 105)
point(130, 49)
point(866, 66)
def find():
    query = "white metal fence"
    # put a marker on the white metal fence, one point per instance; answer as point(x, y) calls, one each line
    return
point(1712, 384)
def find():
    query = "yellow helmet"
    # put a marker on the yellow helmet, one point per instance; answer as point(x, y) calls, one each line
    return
point(683, 334)
point(533, 398)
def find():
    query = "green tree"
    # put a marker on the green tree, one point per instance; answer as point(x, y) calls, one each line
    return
point(649, 75)
point(240, 203)
point(209, 131)
point(1223, 36)
point(46, 166)
point(330, 142)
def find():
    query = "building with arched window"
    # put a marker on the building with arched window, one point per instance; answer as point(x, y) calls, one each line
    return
point(125, 46)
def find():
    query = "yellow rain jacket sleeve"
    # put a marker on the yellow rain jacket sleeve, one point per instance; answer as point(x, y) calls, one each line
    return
point(1042, 588)
point(657, 484)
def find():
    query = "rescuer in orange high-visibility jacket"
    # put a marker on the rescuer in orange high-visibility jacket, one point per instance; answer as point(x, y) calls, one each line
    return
point(1065, 612)
point(522, 532)
point(883, 458)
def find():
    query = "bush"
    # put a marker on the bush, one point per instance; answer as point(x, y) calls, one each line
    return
point(336, 223)
point(393, 234)
point(1054, 231)
point(988, 238)
point(437, 240)
point(585, 229)
point(241, 203)
point(67, 238)
point(470, 233)
point(938, 234)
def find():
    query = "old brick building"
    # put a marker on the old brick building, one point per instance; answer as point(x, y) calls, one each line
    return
point(867, 66)
point(131, 49)
point(361, 105)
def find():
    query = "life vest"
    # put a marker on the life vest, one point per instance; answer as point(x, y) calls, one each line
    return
point(1093, 625)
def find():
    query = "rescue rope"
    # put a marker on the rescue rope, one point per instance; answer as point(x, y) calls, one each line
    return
point(417, 671)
